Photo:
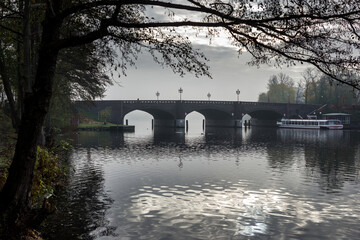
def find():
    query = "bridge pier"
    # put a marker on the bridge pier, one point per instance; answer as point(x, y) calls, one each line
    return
point(180, 123)
point(263, 122)
point(168, 123)
point(230, 123)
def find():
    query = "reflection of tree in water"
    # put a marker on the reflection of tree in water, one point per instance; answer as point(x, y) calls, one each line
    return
point(95, 139)
point(281, 156)
point(81, 206)
point(332, 166)
point(330, 156)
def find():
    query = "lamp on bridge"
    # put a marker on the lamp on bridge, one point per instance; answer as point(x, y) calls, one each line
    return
point(180, 91)
point(238, 93)
point(157, 95)
point(209, 95)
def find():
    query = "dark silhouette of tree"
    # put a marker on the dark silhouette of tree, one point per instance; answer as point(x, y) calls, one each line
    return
point(282, 32)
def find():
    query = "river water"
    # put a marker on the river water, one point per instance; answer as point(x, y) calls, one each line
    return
point(257, 183)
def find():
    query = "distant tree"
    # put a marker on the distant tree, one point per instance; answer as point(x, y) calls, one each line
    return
point(330, 92)
point(322, 89)
point(310, 77)
point(263, 97)
point(280, 89)
point(105, 114)
point(300, 93)
point(321, 33)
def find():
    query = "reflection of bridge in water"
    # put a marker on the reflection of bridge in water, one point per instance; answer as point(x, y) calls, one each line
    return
point(170, 113)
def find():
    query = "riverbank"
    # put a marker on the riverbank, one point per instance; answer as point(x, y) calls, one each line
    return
point(50, 174)
point(7, 146)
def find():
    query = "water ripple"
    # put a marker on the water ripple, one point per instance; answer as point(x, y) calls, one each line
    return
point(228, 211)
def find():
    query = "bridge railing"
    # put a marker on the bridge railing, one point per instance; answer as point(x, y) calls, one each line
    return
point(201, 102)
point(194, 102)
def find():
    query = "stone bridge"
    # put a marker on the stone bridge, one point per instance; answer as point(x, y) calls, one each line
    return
point(172, 113)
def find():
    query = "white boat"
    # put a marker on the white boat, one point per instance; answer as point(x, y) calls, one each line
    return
point(310, 123)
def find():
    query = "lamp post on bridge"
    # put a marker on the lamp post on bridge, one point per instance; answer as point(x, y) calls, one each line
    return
point(157, 95)
point(180, 91)
point(209, 95)
point(238, 93)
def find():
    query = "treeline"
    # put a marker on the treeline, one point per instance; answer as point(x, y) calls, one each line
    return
point(313, 88)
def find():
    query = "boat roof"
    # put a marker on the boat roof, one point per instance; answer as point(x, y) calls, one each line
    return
point(320, 120)
point(336, 114)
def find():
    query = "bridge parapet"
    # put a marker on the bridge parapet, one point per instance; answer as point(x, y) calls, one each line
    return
point(147, 101)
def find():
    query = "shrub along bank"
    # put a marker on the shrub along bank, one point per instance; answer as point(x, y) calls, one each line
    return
point(49, 174)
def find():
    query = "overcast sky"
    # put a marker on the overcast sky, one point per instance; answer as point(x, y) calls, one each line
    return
point(229, 73)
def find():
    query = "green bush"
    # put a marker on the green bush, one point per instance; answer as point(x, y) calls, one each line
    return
point(48, 173)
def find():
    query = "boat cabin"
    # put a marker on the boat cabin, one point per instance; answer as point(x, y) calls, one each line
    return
point(343, 117)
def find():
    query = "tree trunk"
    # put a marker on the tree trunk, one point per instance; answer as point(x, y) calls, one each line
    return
point(27, 47)
point(15, 197)
point(7, 87)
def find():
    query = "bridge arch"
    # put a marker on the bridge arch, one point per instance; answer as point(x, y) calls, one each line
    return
point(156, 113)
point(138, 118)
point(194, 121)
point(161, 118)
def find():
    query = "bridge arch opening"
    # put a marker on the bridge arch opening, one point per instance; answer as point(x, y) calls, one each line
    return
point(246, 120)
point(194, 122)
point(140, 119)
